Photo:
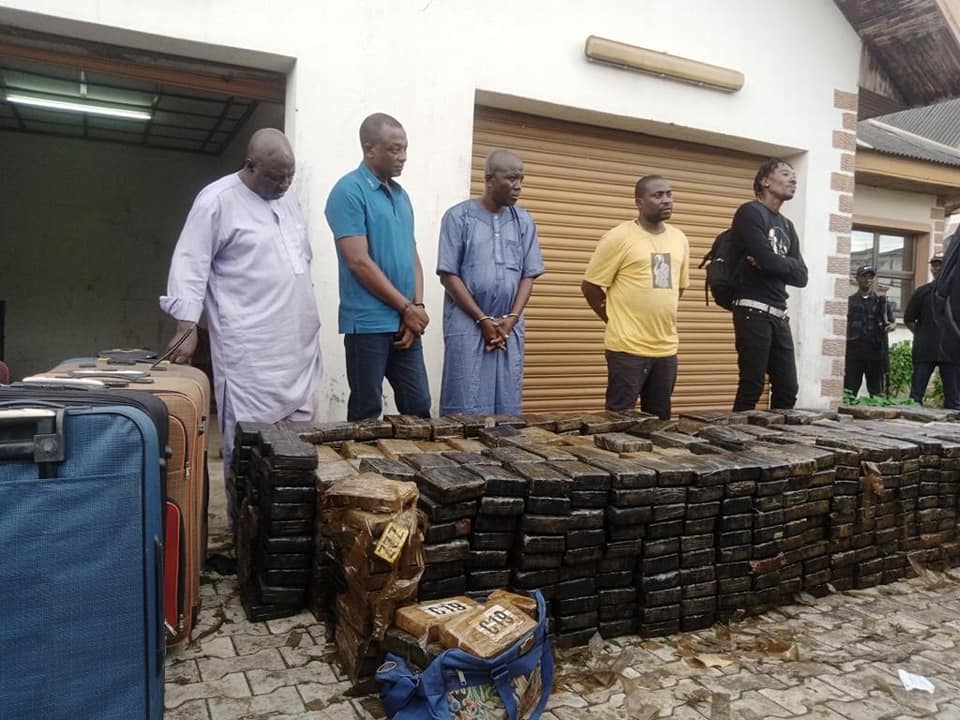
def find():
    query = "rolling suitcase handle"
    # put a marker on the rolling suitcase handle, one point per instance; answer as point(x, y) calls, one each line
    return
point(95, 378)
point(127, 356)
point(46, 444)
point(51, 381)
point(133, 356)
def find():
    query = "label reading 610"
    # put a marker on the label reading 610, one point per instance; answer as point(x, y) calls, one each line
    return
point(451, 607)
point(496, 621)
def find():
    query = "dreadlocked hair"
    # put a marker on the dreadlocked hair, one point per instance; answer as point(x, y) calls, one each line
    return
point(769, 165)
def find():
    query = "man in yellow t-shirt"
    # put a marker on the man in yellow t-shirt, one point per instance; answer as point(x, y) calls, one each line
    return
point(633, 283)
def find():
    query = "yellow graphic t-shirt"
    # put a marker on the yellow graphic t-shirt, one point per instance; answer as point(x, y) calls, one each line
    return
point(643, 275)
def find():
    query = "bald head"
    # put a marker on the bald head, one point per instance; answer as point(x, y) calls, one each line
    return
point(269, 167)
point(501, 160)
point(503, 179)
point(268, 142)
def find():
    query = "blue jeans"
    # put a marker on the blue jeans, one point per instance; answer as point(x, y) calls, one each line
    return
point(371, 357)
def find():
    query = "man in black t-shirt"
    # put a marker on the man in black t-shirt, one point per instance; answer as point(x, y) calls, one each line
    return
point(869, 319)
point(928, 350)
point(770, 261)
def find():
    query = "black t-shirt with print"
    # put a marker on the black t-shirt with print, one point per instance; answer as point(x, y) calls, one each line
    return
point(771, 239)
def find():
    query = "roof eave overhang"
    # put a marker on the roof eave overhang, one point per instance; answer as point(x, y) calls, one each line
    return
point(911, 50)
point(900, 173)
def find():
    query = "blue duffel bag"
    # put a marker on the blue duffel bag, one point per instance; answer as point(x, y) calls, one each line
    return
point(460, 686)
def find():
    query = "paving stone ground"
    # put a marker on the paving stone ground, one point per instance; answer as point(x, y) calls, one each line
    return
point(830, 658)
point(834, 658)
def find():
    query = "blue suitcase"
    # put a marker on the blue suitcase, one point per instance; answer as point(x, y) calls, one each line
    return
point(81, 552)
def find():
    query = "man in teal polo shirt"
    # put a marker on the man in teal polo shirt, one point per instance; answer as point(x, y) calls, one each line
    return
point(382, 315)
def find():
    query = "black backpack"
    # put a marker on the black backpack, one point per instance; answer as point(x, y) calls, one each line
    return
point(721, 263)
point(946, 298)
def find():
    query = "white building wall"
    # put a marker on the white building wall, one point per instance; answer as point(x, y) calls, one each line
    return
point(423, 61)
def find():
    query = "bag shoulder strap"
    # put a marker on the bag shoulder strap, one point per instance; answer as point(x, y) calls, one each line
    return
point(516, 218)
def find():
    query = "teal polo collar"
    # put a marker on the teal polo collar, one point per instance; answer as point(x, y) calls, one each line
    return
point(373, 181)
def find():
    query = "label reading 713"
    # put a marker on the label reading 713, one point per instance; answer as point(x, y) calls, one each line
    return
point(391, 542)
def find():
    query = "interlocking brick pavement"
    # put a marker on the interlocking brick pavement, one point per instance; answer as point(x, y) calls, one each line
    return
point(832, 658)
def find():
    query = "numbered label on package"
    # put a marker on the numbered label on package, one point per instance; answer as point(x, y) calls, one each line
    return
point(391, 542)
point(444, 609)
point(496, 621)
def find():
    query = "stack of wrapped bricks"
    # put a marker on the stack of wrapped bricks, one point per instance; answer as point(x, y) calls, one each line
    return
point(275, 502)
point(900, 481)
point(371, 524)
point(772, 538)
point(626, 523)
point(328, 576)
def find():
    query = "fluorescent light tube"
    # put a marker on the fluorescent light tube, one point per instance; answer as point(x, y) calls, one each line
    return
point(78, 107)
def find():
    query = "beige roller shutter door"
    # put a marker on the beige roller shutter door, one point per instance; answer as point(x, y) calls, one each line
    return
point(579, 184)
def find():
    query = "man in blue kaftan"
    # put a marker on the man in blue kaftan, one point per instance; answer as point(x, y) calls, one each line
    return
point(489, 257)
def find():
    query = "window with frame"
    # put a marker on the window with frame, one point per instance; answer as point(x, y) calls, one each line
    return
point(892, 255)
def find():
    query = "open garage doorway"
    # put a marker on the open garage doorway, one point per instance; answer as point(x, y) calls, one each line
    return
point(104, 149)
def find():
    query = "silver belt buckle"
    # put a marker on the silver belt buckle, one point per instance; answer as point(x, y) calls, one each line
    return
point(777, 312)
point(762, 307)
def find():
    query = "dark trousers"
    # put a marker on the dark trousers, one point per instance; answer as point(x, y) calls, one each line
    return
point(371, 357)
point(764, 348)
point(864, 360)
point(650, 378)
point(949, 377)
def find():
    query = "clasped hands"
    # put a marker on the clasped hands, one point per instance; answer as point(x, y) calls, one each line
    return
point(413, 323)
point(496, 331)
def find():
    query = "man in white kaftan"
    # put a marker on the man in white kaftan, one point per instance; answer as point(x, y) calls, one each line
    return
point(243, 256)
